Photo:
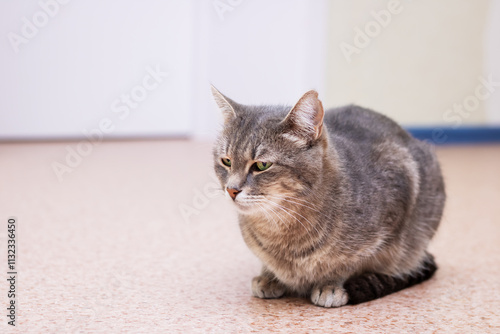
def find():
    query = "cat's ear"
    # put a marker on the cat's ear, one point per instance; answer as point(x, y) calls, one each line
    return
point(305, 120)
point(225, 104)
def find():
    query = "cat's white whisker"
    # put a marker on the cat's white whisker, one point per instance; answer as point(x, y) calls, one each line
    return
point(278, 215)
point(298, 199)
point(260, 204)
point(312, 225)
point(286, 210)
point(311, 238)
point(301, 204)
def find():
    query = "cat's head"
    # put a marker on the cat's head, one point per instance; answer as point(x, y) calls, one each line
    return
point(269, 154)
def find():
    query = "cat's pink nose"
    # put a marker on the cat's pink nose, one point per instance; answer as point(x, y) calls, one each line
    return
point(233, 192)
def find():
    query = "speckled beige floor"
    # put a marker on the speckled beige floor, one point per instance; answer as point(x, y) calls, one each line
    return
point(136, 239)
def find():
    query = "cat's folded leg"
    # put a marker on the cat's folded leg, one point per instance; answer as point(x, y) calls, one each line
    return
point(267, 286)
point(329, 295)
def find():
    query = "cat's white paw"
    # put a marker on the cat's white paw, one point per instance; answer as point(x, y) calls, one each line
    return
point(263, 287)
point(329, 296)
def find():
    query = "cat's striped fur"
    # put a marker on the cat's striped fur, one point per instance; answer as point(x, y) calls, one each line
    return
point(348, 207)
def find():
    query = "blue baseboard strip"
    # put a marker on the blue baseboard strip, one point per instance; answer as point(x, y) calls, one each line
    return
point(461, 135)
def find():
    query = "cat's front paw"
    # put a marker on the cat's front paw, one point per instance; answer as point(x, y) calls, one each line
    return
point(329, 296)
point(263, 287)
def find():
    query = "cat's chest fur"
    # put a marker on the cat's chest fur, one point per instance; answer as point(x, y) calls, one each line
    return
point(300, 265)
point(286, 266)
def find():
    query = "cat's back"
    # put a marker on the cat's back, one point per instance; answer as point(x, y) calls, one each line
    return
point(362, 126)
point(382, 161)
point(366, 141)
point(363, 134)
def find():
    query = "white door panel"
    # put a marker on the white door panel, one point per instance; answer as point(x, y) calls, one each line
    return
point(65, 68)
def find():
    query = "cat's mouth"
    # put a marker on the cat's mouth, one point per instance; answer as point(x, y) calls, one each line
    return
point(245, 206)
point(248, 203)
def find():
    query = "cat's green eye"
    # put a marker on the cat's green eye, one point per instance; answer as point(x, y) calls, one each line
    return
point(262, 165)
point(226, 162)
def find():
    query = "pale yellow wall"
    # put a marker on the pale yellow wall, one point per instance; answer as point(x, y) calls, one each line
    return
point(427, 58)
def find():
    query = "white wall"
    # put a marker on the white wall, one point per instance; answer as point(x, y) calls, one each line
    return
point(69, 78)
point(71, 75)
point(425, 59)
point(64, 79)
point(492, 60)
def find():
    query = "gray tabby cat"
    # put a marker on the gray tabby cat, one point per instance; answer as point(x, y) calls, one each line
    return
point(338, 205)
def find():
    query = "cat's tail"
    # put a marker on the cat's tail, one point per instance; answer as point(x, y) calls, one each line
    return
point(372, 286)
